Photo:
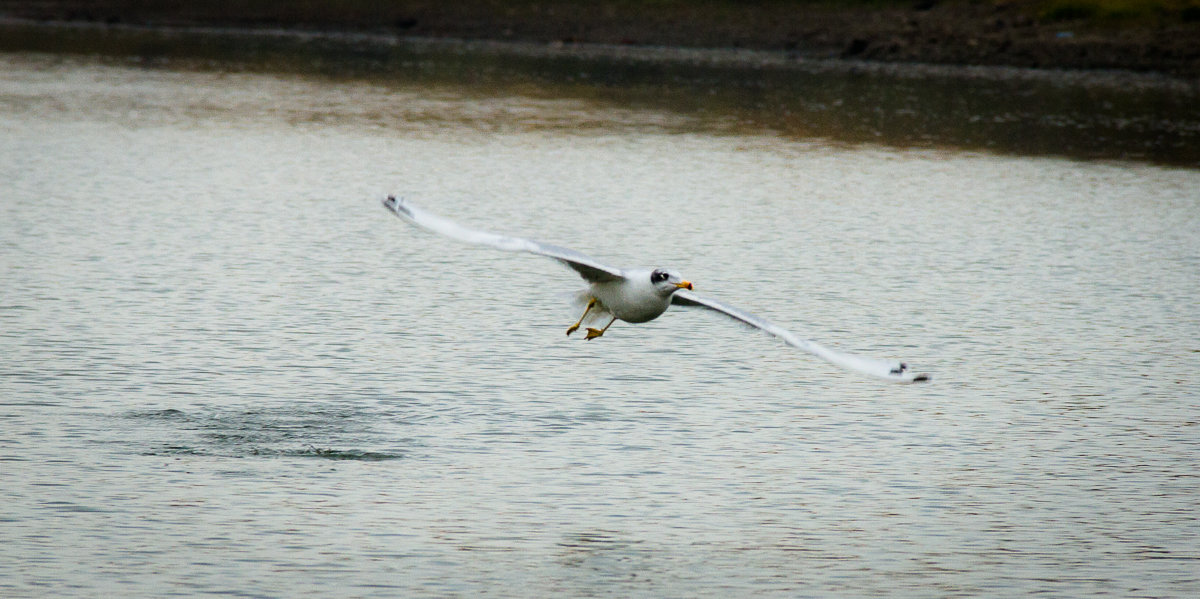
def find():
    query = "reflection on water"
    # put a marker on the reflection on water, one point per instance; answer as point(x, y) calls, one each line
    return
point(1082, 115)
point(224, 369)
point(238, 433)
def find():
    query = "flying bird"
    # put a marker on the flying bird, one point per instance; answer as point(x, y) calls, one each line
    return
point(641, 294)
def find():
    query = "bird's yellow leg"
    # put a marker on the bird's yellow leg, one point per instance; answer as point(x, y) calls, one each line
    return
point(593, 333)
point(575, 327)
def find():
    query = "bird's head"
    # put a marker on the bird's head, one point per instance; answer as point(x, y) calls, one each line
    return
point(667, 281)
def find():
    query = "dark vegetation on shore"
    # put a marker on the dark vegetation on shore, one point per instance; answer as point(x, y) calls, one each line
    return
point(1141, 35)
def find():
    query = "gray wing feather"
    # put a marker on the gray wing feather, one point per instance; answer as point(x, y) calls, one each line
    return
point(587, 267)
point(888, 370)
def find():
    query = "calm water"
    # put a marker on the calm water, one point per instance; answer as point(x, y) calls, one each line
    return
point(225, 369)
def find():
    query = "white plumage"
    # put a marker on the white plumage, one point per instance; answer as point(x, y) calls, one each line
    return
point(641, 295)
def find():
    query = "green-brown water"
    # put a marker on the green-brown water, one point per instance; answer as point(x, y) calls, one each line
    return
point(1095, 115)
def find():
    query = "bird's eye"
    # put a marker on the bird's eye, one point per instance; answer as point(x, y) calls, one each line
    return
point(658, 276)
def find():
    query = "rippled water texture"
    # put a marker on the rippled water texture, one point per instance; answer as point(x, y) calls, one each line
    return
point(225, 369)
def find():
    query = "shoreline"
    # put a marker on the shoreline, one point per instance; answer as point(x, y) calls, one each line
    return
point(1081, 114)
point(1010, 33)
point(722, 58)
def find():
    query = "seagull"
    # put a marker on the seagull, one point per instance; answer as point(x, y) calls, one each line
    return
point(640, 294)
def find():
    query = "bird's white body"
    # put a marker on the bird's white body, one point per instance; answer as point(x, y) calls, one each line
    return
point(634, 300)
point(641, 295)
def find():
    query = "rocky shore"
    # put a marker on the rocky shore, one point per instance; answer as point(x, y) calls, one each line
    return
point(1156, 37)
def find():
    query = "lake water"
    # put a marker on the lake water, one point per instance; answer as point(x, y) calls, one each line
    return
point(226, 369)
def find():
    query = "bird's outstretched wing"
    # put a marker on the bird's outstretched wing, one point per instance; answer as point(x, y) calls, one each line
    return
point(896, 372)
point(585, 265)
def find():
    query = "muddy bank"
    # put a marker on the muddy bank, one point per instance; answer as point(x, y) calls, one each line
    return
point(1159, 37)
point(1107, 115)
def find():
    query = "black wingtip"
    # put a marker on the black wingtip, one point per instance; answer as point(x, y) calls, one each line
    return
point(397, 206)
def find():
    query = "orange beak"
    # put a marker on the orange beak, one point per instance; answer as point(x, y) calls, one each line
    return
point(684, 285)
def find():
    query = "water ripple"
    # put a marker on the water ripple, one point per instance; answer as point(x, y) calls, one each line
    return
point(232, 373)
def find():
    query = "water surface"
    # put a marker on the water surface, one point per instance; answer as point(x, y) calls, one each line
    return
point(225, 369)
